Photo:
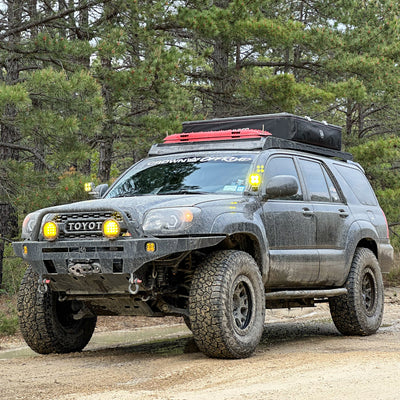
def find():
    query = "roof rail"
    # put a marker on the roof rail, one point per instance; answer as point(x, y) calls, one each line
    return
point(242, 144)
point(278, 143)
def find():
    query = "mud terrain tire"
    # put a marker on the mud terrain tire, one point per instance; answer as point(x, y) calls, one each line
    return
point(360, 312)
point(227, 305)
point(46, 323)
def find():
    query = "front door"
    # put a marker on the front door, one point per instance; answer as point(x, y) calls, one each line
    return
point(291, 229)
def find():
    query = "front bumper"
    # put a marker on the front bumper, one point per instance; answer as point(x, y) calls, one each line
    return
point(115, 260)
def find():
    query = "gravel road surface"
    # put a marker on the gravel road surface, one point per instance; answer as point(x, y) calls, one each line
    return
point(301, 356)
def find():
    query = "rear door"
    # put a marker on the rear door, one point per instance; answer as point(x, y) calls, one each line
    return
point(332, 216)
point(291, 229)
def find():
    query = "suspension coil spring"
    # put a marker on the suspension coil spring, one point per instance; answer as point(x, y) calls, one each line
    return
point(160, 276)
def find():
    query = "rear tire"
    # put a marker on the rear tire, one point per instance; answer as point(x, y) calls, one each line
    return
point(227, 305)
point(47, 324)
point(360, 312)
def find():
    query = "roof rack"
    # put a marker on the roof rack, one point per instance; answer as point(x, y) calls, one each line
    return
point(262, 141)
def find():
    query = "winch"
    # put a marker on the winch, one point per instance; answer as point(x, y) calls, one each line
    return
point(83, 268)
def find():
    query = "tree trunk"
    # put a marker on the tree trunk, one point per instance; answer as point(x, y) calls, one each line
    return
point(221, 71)
point(106, 139)
point(8, 228)
point(105, 153)
point(220, 66)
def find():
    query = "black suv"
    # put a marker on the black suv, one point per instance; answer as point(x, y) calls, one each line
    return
point(216, 225)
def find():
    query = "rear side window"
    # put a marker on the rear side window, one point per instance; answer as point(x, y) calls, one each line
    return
point(332, 188)
point(315, 180)
point(358, 184)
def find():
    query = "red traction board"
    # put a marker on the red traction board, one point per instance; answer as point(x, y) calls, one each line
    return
point(216, 135)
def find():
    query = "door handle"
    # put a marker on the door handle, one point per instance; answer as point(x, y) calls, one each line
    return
point(307, 212)
point(343, 213)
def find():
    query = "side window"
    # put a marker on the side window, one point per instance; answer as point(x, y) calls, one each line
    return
point(358, 184)
point(332, 188)
point(283, 166)
point(315, 179)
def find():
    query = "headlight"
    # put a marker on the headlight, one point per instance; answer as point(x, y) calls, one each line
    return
point(28, 224)
point(169, 220)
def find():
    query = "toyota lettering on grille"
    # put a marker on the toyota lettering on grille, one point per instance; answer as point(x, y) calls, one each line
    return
point(83, 226)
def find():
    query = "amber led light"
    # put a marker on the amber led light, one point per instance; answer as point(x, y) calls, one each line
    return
point(255, 180)
point(50, 230)
point(111, 229)
point(88, 186)
point(150, 247)
point(188, 216)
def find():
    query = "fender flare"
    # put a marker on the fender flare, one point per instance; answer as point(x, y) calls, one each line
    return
point(358, 231)
point(230, 223)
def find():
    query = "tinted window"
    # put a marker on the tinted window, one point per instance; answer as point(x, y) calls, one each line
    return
point(315, 180)
point(332, 188)
point(283, 166)
point(358, 184)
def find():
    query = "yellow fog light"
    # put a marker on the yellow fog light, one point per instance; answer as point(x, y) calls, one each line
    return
point(50, 230)
point(111, 229)
point(150, 247)
point(255, 181)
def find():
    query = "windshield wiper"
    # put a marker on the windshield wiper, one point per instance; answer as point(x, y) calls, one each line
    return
point(183, 191)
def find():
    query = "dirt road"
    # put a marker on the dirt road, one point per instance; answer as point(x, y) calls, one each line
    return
point(301, 356)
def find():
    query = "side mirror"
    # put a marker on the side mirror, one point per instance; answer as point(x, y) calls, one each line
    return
point(281, 186)
point(96, 192)
point(99, 190)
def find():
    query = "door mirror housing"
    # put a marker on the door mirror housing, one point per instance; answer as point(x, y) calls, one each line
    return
point(281, 186)
point(99, 190)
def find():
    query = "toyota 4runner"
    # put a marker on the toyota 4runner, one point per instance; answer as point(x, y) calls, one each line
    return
point(215, 225)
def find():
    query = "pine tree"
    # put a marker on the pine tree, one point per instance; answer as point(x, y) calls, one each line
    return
point(138, 65)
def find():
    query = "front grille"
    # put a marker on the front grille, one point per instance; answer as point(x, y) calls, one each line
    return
point(84, 224)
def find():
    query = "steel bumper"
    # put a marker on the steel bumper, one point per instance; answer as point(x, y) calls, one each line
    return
point(124, 255)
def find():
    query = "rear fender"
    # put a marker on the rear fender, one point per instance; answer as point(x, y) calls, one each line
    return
point(360, 231)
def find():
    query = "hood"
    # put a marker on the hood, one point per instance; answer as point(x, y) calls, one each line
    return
point(139, 205)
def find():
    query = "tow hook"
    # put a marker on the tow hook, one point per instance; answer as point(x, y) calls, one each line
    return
point(43, 285)
point(134, 282)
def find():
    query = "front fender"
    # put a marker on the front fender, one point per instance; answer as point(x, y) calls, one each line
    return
point(236, 222)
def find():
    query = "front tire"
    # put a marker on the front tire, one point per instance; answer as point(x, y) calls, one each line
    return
point(360, 312)
point(227, 305)
point(47, 324)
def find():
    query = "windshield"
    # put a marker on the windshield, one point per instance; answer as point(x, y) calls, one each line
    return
point(185, 175)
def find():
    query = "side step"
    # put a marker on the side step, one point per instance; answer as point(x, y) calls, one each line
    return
point(305, 294)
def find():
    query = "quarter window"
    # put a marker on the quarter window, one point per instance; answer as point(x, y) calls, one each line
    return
point(358, 184)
